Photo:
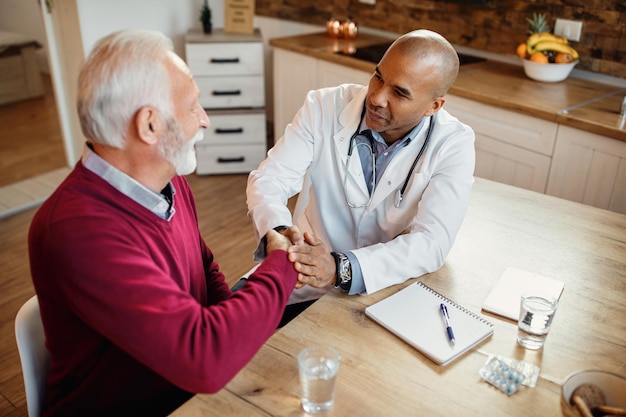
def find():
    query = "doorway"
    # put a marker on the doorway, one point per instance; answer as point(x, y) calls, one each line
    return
point(38, 143)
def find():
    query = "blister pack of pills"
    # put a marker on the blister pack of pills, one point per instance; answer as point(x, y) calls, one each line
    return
point(501, 375)
point(530, 371)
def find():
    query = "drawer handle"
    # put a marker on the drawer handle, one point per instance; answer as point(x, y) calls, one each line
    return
point(235, 130)
point(224, 60)
point(227, 93)
point(221, 160)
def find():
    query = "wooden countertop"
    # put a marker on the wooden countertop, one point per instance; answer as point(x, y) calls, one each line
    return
point(582, 104)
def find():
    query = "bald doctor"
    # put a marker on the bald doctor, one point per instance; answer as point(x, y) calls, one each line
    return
point(383, 173)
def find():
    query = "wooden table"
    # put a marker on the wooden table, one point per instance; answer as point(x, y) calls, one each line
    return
point(382, 376)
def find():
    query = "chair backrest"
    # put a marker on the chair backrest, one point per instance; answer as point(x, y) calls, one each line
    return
point(34, 356)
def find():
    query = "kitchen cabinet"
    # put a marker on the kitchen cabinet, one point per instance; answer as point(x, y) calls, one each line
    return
point(296, 74)
point(511, 148)
point(229, 71)
point(589, 169)
point(330, 74)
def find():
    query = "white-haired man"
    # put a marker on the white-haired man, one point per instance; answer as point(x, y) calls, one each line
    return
point(136, 313)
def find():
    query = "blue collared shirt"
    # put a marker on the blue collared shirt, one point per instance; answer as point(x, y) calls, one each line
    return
point(155, 202)
point(383, 154)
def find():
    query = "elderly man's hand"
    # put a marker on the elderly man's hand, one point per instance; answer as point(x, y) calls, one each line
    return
point(276, 241)
point(294, 234)
point(314, 263)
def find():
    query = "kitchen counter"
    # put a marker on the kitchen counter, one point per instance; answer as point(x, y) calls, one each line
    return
point(582, 104)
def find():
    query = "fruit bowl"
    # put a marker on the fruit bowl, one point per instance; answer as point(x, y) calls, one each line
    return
point(612, 386)
point(547, 72)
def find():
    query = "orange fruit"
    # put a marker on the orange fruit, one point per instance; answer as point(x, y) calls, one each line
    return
point(521, 50)
point(539, 57)
point(563, 58)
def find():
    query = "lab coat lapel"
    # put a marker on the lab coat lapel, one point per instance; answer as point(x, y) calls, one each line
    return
point(349, 120)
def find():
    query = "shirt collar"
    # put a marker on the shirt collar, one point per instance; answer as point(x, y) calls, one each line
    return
point(151, 200)
point(402, 142)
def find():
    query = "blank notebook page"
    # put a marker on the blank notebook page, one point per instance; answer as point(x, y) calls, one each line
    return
point(413, 314)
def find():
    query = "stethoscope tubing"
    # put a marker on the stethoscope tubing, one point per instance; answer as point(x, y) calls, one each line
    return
point(399, 197)
point(400, 193)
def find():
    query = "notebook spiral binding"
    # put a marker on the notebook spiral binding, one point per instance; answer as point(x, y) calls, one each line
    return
point(455, 305)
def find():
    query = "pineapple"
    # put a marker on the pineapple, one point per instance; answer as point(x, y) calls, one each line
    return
point(538, 24)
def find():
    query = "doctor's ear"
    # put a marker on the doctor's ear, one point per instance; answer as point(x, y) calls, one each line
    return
point(436, 105)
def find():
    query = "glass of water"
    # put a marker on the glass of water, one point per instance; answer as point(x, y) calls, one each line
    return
point(318, 366)
point(535, 318)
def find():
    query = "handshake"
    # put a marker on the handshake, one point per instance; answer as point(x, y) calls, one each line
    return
point(310, 256)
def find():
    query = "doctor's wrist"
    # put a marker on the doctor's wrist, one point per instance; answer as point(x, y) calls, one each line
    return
point(343, 279)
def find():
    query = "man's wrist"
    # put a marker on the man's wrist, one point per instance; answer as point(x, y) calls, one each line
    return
point(343, 271)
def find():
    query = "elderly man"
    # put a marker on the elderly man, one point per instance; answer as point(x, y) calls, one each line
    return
point(136, 313)
point(383, 173)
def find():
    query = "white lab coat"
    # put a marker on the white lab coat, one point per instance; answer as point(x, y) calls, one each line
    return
point(391, 244)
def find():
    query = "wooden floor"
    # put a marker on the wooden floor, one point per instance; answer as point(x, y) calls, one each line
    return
point(30, 138)
point(223, 223)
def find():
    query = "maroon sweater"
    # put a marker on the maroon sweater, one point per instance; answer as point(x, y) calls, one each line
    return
point(136, 313)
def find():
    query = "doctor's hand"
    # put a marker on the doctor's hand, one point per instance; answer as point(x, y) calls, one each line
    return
point(314, 263)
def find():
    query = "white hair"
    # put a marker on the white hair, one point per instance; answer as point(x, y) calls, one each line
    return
point(125, 72)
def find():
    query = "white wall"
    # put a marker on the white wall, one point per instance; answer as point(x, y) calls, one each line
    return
point(98, 18)
point(24, 17)
point(172, 17)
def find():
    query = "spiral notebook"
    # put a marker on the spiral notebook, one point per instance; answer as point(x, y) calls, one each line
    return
point(413, 314)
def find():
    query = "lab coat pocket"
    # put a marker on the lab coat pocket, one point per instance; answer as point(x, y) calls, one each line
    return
point(401, 209)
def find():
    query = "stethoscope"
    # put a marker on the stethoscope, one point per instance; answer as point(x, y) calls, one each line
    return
point(399, 195)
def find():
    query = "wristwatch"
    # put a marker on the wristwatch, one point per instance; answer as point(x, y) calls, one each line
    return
point(344, 271)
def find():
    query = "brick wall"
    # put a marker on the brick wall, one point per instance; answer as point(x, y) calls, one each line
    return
point(491, 25)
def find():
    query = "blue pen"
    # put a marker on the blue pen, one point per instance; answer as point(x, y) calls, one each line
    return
point(446, 317)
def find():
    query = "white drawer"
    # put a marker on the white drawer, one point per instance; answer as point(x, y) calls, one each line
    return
point(230, 58)
point(228, 159)
point(235, 129)
point(229, 92)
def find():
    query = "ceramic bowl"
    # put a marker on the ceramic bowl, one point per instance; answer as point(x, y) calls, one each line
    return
point(613, 386)
point(547, 72)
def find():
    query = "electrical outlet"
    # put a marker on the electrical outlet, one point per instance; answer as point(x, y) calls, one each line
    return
point(372, 2)
point(569, 29)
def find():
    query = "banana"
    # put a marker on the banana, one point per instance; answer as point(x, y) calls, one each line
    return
point(536, 38)
point(544, 36)
point(554, 46)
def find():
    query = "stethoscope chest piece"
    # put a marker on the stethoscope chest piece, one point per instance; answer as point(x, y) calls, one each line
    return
point(398, 198)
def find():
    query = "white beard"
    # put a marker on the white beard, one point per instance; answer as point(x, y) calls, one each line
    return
point(177, 150)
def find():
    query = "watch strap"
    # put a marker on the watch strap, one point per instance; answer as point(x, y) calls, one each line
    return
point(343, 270)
